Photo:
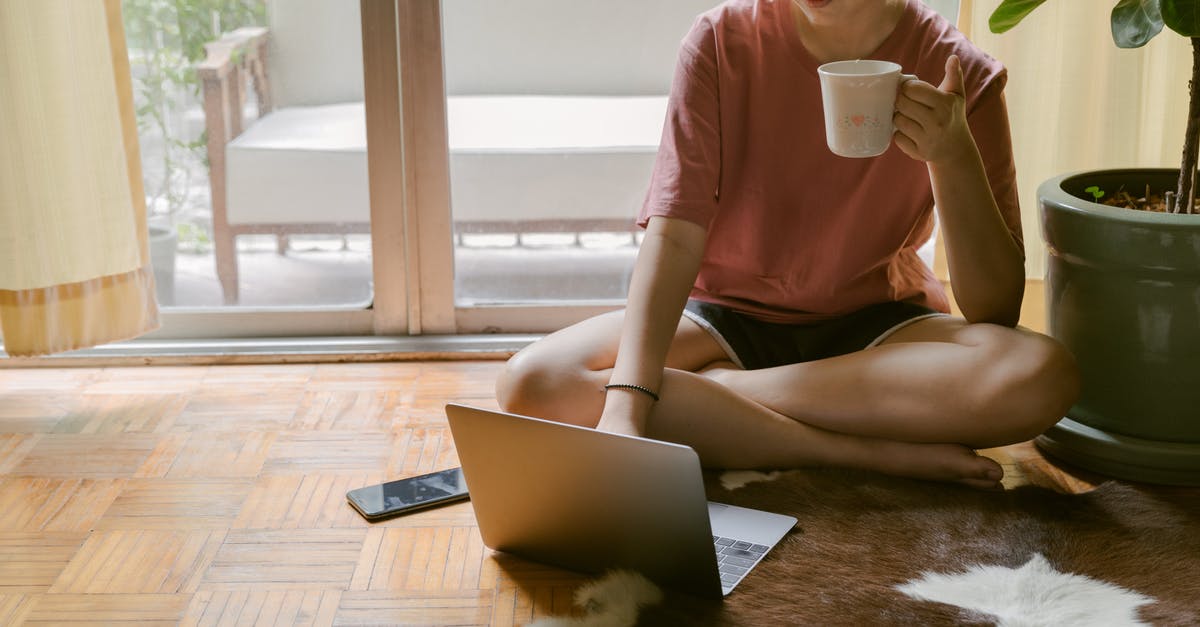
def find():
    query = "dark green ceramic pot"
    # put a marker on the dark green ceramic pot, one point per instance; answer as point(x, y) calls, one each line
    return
point(1123, 294)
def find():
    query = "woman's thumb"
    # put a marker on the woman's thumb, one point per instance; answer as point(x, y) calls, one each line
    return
point(953, 82)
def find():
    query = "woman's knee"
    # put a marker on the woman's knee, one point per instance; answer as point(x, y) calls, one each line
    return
point(520, 383)
point(533, 383)
point(1056, 378)
point(559, 376)
point(1034, 381)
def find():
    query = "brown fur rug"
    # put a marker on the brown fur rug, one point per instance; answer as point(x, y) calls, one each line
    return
point(860, 536)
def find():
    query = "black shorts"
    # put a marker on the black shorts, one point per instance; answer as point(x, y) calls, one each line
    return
point(754, 344)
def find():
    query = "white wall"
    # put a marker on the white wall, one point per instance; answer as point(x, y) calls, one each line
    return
point(592, 47)
point(316, 51)
point(585, 47)
point(589, 47)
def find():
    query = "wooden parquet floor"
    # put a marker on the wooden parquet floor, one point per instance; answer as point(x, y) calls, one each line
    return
point(215, 495)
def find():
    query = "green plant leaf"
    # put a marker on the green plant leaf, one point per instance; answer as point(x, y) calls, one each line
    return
point(1010, 13)
point(1182, 16)
point(1135, 22)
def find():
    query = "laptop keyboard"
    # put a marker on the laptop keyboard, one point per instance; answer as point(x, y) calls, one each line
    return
point(735, 558)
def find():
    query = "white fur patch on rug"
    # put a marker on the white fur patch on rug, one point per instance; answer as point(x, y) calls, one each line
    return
point(1034, 594)
point(1118, 554)
point(614, 600)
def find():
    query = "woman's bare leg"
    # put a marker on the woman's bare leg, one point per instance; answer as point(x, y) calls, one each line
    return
point(562, 378)
point(936, 380)
point(728, 430)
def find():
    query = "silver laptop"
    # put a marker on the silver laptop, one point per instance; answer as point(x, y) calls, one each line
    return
point(592, 501)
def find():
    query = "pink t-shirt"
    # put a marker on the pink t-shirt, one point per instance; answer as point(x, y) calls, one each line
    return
point(795, 233)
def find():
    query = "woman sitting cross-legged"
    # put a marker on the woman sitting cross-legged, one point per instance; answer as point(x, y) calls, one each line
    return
point(779, 315)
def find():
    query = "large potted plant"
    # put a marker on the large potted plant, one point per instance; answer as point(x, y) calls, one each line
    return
point(1123, 287)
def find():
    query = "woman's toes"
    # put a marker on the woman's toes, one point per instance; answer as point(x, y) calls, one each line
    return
point(982, 484)
point(990, 470)
point(985, 473)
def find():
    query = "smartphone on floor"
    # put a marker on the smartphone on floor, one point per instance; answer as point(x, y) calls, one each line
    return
point(408, 495)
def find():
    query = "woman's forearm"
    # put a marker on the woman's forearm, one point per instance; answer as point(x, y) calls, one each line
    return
point(987, 273)
point(663, 275)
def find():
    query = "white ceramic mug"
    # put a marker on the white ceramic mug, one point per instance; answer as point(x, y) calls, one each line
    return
point(859, 98)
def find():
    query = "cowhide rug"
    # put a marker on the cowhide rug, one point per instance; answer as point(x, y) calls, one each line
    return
point(873, 550)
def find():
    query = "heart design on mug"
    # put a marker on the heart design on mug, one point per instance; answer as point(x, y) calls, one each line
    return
point(857, 119)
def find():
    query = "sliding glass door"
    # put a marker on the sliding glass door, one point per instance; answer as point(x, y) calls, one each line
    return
point(397, 167)
point(555, 111)
point(251, 120)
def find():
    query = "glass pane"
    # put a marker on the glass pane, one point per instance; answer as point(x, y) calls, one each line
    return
point(555, 111)
point(293, 178)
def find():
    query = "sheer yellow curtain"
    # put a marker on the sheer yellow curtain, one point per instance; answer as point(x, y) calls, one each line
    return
point(74, 259)
point(1077, 102)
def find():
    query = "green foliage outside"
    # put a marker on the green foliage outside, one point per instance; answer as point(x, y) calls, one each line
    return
point(166, 39)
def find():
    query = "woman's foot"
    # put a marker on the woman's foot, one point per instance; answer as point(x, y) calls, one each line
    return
point(952, 463)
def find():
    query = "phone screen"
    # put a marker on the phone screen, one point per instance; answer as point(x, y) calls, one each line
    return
point(405, 495)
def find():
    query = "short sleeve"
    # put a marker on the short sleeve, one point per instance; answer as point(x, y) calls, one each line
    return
point(686, 176)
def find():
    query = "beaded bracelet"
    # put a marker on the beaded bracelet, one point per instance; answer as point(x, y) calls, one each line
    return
point(630, 386)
